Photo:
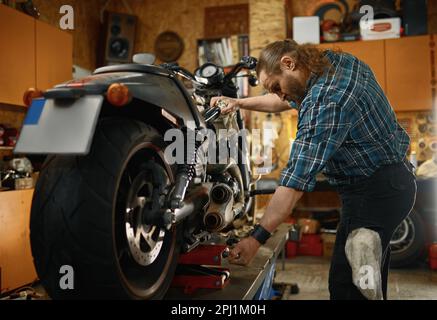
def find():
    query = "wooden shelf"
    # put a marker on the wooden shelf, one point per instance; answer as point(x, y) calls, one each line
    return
point(6, 148)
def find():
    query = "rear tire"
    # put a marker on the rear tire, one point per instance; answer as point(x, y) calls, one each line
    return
point(408, 241)
point(84, 208)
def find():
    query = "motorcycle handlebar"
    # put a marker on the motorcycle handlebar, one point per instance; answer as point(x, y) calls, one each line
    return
point(175, 67)
point(250, 62)
point(247, 62)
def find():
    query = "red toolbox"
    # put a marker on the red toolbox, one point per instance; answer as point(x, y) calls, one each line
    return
point(310, 245)
point(433, 256)
point(291, 249)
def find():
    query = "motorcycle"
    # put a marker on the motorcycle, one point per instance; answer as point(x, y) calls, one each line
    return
point(108, 203)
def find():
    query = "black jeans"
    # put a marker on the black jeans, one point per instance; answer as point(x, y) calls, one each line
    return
point(380, 203)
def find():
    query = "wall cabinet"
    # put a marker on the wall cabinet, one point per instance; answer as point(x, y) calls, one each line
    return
point(409, 69)
point(404, 68)
point(32, 54)
point(17, 55)
point(54, 58)
point(371, 52)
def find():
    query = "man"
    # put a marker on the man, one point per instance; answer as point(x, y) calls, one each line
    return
point(347, 130)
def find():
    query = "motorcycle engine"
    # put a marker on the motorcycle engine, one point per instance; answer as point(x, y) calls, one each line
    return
point(227, 191)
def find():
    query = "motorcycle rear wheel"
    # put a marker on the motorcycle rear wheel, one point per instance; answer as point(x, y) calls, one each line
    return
point(88, 213)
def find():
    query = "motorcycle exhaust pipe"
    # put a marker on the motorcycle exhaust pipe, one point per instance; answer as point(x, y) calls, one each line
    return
point(213, 220)
point(220, 213)
point(195, 201)
point(221, 193)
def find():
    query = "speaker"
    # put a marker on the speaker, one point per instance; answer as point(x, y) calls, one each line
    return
point(118, 38)
point(415, 17)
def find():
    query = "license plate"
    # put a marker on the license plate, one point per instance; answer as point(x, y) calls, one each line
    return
point(59, 127)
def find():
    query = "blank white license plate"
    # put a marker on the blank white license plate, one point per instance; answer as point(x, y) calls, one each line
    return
point(54, 127)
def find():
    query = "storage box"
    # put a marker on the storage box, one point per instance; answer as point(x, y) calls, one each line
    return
point(310, 245)
point(328, 240)
point(380, 29)
point(291, 249)
point(433, 256)
point(24, 183)
point(306, 30)
point(308, 226)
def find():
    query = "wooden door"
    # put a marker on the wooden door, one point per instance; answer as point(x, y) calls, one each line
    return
point(54, 56)
point(17, 55)
point(409, 73)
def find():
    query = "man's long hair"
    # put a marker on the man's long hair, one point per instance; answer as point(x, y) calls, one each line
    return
point(308, 57)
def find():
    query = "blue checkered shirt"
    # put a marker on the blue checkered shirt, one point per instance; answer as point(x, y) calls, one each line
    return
point(346, 128)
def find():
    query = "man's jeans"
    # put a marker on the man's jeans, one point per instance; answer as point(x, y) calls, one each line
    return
point(380, 203)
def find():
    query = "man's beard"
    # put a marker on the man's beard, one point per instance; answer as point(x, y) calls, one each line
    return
point(294, 91)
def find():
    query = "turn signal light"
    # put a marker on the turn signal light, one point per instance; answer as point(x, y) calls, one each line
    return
point(118, 94)
point(31, 94)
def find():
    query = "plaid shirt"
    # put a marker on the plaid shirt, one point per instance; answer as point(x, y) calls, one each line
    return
point(346, 128)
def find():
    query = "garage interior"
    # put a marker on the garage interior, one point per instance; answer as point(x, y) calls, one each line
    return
point(47, 43)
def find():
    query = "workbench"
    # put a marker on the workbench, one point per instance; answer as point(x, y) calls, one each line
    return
point(244, 280)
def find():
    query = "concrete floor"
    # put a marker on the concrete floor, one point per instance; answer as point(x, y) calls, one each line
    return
point(311, 275)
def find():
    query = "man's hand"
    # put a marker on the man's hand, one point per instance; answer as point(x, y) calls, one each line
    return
point(278, 209)
point(244, 251)
point(231, 104)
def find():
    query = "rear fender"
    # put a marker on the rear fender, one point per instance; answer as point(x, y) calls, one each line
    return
point(159, 99)
point(149, 84)
point(170, 100)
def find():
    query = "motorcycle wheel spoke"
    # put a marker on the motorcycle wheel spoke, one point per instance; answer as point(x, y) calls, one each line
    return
point(148, 237)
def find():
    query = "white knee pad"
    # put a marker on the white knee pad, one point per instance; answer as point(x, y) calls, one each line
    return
point(364, 253)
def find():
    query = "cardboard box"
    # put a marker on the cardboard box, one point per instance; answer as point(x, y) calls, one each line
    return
point(380, 29)
point(24, 183)
point(308, 226)
point(306, 30)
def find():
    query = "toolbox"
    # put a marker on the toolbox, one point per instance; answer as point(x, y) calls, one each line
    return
point(433, 256)
point(291, 249)
point(310, 245)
